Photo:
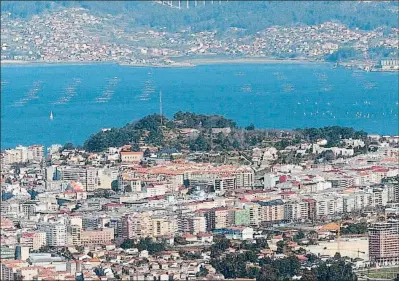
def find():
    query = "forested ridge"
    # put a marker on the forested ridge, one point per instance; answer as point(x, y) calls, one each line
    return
point(258, 14)
point(164, 132)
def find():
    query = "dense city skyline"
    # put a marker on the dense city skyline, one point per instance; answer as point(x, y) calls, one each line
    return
point(201, 140)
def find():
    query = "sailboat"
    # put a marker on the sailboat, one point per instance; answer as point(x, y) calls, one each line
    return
point(51, 115)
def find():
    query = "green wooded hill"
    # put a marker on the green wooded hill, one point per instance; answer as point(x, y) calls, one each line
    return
point(164, 132)
point(250, 15)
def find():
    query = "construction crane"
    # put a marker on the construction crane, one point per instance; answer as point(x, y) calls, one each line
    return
point(355, 251)
point(359, 252)
point(334, 226)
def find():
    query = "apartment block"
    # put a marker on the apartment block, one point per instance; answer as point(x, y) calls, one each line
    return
point(97, 237)
point(33, 240)
point(384, 243)
point(55, 233)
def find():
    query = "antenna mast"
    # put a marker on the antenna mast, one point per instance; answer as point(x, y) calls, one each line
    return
point(160, 106)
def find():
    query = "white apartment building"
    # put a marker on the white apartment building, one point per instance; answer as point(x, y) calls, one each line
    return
point(74, 235)
point(270, 180)
point(245, 177)
point(348, 203)
point(155, 190)
point(292, 211)
point(393, 192)
point(224, 183)
point(23, 154)
point(329, 205)
point(10, 208)
point(129, 184)
point(198, 224)
point(88, 177)
point(56, 233)
point(36, 152)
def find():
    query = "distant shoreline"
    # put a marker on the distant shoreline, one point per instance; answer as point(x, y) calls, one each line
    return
point(48, 63)
point(248, 60)
point(181, 63)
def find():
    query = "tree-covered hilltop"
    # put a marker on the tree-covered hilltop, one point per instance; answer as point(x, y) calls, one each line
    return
point(258, 15)
point(192, 120)
point(151, 130)
point(209, 133)
point(333, 134)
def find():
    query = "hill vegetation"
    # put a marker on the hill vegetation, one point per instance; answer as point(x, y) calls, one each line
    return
point(258, 15)
point(209, 133)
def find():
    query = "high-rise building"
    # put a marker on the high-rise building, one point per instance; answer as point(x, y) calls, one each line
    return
point(244, 177)
point(55, 233)
point(292, 211)
point(272, 210)
point(393, 192)
point(384, 243)
point(137, 225)
point(74, 234)
point(36, 152)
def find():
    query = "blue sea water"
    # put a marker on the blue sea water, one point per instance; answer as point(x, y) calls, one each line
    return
point(86, 98)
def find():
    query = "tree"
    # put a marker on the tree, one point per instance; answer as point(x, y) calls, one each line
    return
point(135, 147)
point(220, 245)
point(147, 153)
point(262, 243)
point(355, 228)
point(114, 185)
point(250, 127)
point(127, 244)
point(200, 144)
point(280, 247)
point(267, 273)
point(68, 146)
point(329, 155)
point(203, 272)
point(300, 235)
point(308, 275)
point(252, 272)
point(335, 269)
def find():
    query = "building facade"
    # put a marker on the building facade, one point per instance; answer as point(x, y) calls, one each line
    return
point(384, 243)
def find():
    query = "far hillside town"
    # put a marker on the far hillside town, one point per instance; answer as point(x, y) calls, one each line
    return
point(74, 35)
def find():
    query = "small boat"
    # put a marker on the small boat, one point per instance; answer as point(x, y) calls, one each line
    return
point(51, 115)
